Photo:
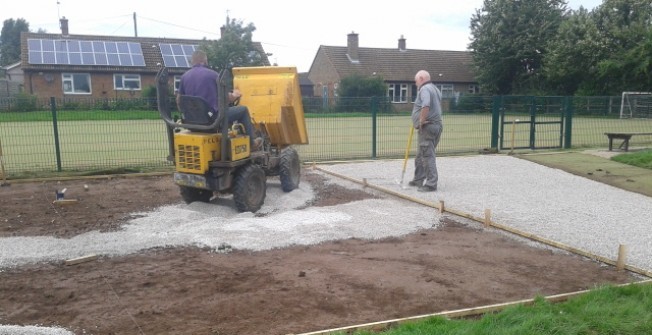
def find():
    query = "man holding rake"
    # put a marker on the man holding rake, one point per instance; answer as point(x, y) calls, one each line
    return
point(427, 119)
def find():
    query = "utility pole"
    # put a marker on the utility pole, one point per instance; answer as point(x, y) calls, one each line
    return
point(135, 26)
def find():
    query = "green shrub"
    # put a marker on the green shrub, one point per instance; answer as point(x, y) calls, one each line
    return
point(24, 103)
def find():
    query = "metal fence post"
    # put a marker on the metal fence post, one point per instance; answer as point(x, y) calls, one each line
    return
point(495, 120)
point(533, 122)
point(57, 149)
point(374, 116)
point(568, 114)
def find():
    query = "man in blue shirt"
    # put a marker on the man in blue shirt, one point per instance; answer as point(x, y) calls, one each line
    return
point(201, 81)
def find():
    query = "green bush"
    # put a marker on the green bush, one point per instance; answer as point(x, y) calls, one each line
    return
point(24, 103)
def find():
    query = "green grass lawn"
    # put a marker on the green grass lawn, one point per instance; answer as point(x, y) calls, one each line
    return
point(91, 140)
point(641, 159)
point(623, 310)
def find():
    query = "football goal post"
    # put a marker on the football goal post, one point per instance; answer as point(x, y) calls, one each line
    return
point(636, 105)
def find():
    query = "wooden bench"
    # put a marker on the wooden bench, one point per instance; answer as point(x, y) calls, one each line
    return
point(622, 136)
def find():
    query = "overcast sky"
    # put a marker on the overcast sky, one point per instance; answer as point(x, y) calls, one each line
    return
point(291, 31)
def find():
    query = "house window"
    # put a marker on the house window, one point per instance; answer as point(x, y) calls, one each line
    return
point(446, 90)
point(76, 83)
point(126, 82)
point(177, 83)
point(473, 89)
point(397, 92)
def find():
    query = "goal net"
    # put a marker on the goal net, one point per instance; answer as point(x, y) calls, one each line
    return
point(636, 105)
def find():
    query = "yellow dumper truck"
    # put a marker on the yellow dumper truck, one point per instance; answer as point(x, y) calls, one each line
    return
point(212, 156)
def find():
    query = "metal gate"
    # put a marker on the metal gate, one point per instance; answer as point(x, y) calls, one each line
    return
point(531, 122)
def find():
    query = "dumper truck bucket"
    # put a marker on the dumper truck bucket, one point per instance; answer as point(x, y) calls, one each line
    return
point(273, 97)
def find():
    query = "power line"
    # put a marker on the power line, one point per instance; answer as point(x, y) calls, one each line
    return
point(179, 26)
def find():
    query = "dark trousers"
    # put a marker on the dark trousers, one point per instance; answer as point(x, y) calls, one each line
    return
point(241, 114)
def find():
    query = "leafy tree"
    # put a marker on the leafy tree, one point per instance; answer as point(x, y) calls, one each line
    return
point(360, 86)
point(625, 35)
point(10, 40)
point(572, 57)
point(509, 40)
point(235, 48)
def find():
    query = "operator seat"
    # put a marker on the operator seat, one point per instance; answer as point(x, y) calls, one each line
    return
point(195, 110)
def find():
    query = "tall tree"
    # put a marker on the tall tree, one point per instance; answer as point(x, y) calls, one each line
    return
point(234, 48)
point(572, 57)
point(626, 34)
point(509, 40)
point(10, 40)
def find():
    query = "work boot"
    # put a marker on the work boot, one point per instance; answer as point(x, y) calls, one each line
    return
point(426, 188)
point(258, 144)
point(415, 182)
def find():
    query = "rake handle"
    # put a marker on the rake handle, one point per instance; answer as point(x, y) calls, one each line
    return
point(407, 149)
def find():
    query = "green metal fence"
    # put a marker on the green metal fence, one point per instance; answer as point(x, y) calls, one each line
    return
point(57, 135)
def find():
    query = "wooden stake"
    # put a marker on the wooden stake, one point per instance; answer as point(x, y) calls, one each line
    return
point(487, 217)
point(441, 206)
point(622, 256)
point(82, 259)
point(64, 202)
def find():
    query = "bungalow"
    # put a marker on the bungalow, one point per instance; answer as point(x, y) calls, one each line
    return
point(92, 66)
point(451, 71)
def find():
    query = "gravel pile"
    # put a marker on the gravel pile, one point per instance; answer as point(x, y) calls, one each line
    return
point(282, 221)
point(532, 198)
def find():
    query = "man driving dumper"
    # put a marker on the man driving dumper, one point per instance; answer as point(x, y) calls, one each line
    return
point(201, 81)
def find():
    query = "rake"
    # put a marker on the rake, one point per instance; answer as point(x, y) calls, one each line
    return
point(407, 153)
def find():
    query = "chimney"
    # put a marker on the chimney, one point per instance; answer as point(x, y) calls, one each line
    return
point(63, 22)
point(352, 46)
point(401, 43)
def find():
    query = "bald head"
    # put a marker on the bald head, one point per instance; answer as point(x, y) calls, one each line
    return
point(422, 77)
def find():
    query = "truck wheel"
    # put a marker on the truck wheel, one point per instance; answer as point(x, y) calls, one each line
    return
point(290, 169)
point(249, 188)
point(191, 194)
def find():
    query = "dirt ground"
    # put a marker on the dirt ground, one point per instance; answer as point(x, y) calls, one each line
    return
point(292, 290)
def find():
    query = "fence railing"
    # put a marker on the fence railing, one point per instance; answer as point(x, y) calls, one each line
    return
point(59, 135)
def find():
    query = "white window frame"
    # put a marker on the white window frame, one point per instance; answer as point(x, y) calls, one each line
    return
point(397, 93)
point(71, 85)
point(473, 88)
point(120, 82)
point(177, 84)
point(447, 90)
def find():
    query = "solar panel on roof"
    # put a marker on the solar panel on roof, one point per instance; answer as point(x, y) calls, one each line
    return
point(177, 55)
point(78, 52)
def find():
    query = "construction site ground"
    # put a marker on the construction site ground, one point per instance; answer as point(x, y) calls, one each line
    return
point(291, 290)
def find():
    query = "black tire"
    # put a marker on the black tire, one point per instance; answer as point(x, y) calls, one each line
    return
point(289, 169)
point(191, 194)
point(249, 188)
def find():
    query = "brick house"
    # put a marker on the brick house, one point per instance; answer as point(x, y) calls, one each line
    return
point(100, 67)
point(451, 71)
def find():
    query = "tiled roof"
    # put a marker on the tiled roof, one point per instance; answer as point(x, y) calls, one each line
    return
point(149, 46)
point(402, 65)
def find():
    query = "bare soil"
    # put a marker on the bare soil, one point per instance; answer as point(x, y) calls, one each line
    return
point(292, 290)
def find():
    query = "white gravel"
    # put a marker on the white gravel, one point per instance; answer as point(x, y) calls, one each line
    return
point(33, 330)
point(535, 199)
point(546, 202)
point(281, 222)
